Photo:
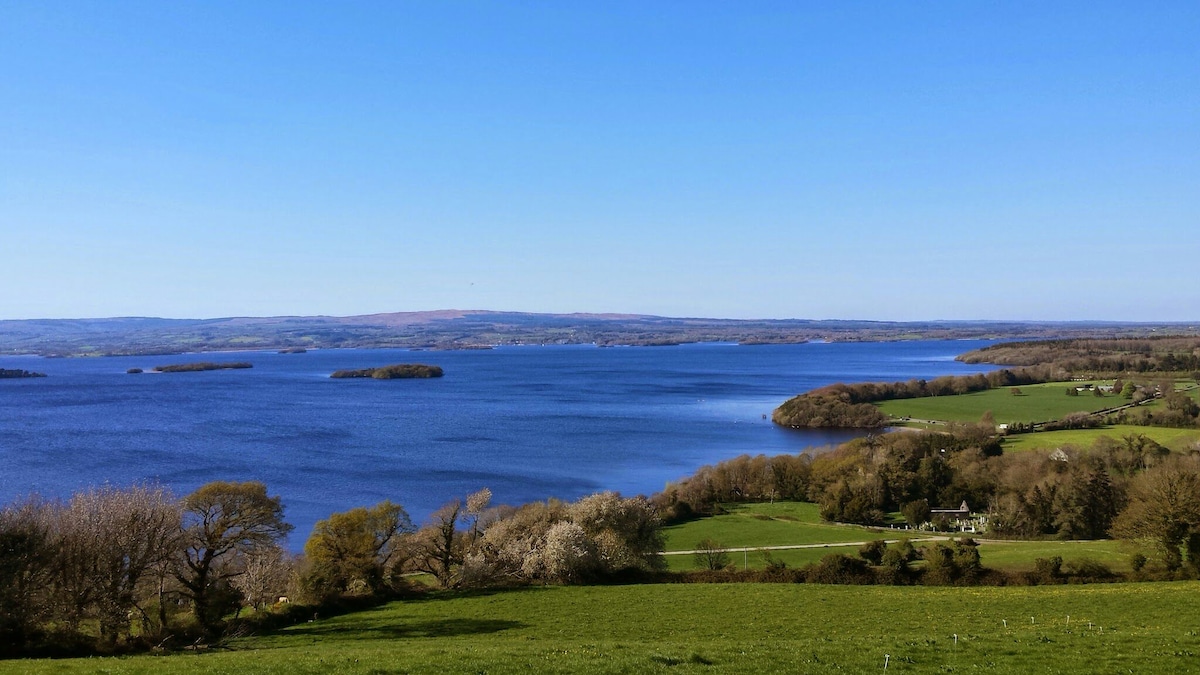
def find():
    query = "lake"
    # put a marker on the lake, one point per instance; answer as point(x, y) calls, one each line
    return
point(527, 422)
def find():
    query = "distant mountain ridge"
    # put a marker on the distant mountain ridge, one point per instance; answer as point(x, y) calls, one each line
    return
point(468, 329)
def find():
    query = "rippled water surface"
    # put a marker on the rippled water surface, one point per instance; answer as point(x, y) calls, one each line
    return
point(527, 422)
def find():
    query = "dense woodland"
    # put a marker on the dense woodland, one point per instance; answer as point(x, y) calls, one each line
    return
point(1094, 356)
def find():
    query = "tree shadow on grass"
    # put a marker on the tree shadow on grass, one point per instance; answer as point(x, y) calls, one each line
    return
point(440, 595)
point(433, 628)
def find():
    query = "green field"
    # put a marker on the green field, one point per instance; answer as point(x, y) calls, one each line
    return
point(1009, 556)
point(725, 628)
point(1037, 403)
point(776, 524)
point(799, 523)
point(1016, 556)
point(1175, 439)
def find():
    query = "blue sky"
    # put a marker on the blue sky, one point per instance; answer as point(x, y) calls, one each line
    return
point(884, 160)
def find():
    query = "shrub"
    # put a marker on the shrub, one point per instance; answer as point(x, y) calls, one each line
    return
point(839, 569)
point(710, 555)
point(873, 551)
point(1048, 570)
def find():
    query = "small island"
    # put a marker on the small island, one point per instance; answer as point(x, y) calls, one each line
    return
point(134, 371)
point(397, 371)
point(13, 374)
point(293, 350)
point(202, 365)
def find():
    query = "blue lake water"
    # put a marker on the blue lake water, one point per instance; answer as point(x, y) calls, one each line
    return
point(527, 422)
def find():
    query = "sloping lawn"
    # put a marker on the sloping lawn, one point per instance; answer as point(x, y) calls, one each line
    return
point(776, 524)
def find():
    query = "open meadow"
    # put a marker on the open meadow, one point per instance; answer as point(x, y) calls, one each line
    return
point(724, 628)
point(770, 526)
point(1035, 403)
point(765, 524)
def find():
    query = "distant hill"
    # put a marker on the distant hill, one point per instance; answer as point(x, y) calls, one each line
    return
point(466, 329)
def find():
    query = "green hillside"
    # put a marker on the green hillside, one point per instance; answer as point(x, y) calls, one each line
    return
point(725, 628)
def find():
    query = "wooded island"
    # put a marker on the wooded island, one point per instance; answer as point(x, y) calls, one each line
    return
point(398, 371)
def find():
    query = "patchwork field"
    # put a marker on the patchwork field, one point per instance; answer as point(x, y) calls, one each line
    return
point(727, 628)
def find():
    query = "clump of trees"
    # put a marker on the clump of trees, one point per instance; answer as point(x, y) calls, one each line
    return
point(110, 568)
point(598, 536)
point(357, 552)
point(1163, 513)
point(817, 411)
point(741, 479)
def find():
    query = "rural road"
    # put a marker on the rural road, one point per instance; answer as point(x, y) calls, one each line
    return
point(740, 549)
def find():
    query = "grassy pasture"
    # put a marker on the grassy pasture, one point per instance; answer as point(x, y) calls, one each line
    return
point(1018, 556)
point(799, 523)
point(1175, 439)
point(1037, 403)
point(726, 628)
point(776, 524)
point(754, 560)
point(1010, 556)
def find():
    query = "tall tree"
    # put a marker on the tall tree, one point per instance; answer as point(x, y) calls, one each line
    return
point(222, 522)
point(353, 550)
point(25, 564)
point(438, 548)
point(1086, 503)
point(1164, 510)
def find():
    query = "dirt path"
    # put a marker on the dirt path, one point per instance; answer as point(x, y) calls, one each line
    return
point(789, 547)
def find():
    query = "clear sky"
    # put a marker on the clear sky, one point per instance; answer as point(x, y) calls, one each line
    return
point(883, 160)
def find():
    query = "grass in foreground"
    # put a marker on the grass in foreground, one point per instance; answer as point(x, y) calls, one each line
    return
point(734, 628)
